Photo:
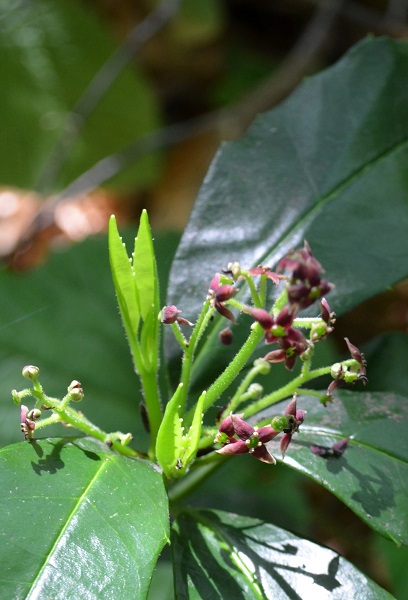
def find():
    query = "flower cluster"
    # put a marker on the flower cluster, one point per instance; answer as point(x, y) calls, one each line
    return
point(305, 284)
point(278, 329)
point(239, 437)
point(27, 421)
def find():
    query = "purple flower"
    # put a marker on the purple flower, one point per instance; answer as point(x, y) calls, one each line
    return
point(239, 437)
point(305, 285)
point(170, 314)
point(296, 418)
point(219, 294)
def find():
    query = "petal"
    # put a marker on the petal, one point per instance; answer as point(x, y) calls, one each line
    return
point(236, 447)
point(224, 311)
point(266, 434)
point(285, 441)
point(262, 454)
point(242, 429)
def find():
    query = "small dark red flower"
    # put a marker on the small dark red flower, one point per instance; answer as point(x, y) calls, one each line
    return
point(261, 270)
point(296, 418)
point(219, 294)
point(305, 284)
point(170, 314)
point(239, 437)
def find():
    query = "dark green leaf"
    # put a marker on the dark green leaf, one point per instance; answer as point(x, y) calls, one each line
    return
point(50, 52)
point(329, 166)
point(371, 477)
point(78, 521)
point(221, 555)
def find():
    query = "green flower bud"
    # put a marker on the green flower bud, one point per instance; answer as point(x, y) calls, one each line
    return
point(75, 391)
point(30, 372)
point(255, 390)
point(263, 366)
point(281, 422)
point(16, 397)
point(34, 414)
point(337, 371)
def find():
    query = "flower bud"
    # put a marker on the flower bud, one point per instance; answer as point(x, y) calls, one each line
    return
point(226, 336)
point(16, 397)
point(34, 414)
point(255, 390)
point(280, 422)
point(170, 314)
point(30, 372)
point(75, 391)
point(337, 371)
point(262, 365)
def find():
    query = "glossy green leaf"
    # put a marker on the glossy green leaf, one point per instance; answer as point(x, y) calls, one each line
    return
point(371, 477)
point(329, 166)
point(50, 52)
point(78, 521)
point(221, 555)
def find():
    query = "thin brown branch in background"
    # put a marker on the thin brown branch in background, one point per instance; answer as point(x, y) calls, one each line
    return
point(99, 85)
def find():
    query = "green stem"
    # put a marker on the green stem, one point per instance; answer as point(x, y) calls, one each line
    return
point(199, 328)
point(234, 367)
point(195, 477)
point(286, 391)
point(238, 397)
point(153, 406)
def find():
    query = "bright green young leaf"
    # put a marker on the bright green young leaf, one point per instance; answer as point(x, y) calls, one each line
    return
point(144, 267)
point(371, 477)
point(192, 437)
point(50, 52)
point(125, 286)
point(169, 437)
point(328, 166)
point(221, 555)
point(78, 521)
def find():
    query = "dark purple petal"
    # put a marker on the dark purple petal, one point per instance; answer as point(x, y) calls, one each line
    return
point(235, 447)
point(262, 454)
point(276, 356)
point(224, 311)
point(266, 434)
point(261, 316)
point(291, 407)
point(285, 441)
point(224, 292)
point(242, 429)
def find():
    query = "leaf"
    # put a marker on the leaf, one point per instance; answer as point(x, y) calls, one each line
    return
point(144, 267)
point(50, 52)
point(224, 555)
point(371, 477)
point(169, 437)
point(79, 521)
point(329, 166)
point(124, 282)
